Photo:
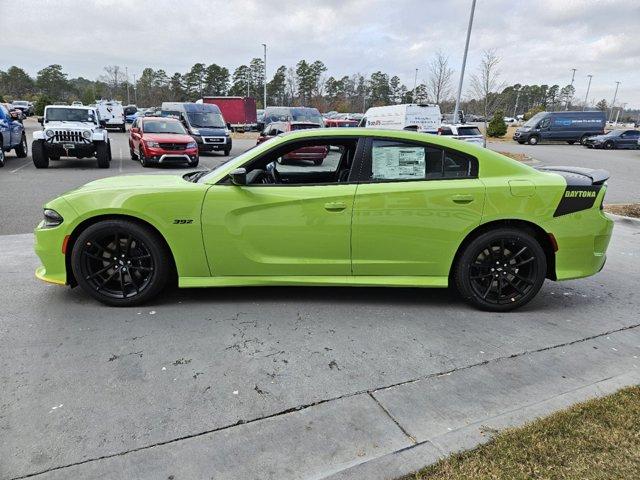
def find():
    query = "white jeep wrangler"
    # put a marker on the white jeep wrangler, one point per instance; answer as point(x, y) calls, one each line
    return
point(70, 131)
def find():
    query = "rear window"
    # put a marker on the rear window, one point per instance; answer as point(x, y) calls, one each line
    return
point(469, 131)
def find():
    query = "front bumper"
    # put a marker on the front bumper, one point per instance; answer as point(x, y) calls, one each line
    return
point(211, 144)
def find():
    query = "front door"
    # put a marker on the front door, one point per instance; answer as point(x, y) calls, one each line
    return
point(291, 218)
point(415, 206)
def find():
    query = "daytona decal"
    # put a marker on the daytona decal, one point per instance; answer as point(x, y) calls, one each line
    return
point(577, 198)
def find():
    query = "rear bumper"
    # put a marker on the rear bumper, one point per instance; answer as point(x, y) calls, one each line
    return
point(583, 238)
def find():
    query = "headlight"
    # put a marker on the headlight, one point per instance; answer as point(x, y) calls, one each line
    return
point(52, 218)
point(195, 131)
point(86, 134)
point(48, 133)
point(149, 143)
point(192, 145)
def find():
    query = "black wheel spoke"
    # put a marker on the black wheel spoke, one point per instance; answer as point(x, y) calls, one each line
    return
point(102, 270)
point(525, 280)
point(122, 284)
point(113, 274)
point(488, 289)
point(104, 249)
point(475, 277)
point(524, 262)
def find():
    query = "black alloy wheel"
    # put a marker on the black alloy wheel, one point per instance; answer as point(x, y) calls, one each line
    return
point(501, 270)
point(120, 262)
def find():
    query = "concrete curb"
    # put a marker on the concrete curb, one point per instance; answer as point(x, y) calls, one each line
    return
point(623, 219)
point(411, 459)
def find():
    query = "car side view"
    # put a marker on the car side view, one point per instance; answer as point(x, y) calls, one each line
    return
point(386, 208)
point(615, 139)
point(12, 134)
point(161, 141)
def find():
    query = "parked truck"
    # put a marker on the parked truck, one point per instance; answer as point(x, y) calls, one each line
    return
point(239, 112)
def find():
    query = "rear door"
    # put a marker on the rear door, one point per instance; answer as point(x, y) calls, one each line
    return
point(629, 139)
point(414, 206)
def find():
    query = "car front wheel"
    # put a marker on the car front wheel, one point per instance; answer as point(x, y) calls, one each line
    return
point(500, 270)
point(533, 140)
point(39, 154)
point(609, 145)
point(22, 150)
point(120, 263)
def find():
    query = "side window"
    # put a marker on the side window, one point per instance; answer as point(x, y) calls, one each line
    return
point(398, 161)
point(545, 123)
point(3, 113)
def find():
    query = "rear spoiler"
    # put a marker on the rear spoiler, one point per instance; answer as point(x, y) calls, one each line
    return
point(577, 176)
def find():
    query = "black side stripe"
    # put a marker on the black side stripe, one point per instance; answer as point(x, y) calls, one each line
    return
point(576, 198)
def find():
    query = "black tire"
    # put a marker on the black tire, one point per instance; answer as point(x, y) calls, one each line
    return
point(512, 281)
point(194, 163)
point(103, 154)
point(533, 140)
point(39, 154)
point(143, 160)
point(123, 127)
point(134, 155)
point(2, 156)
point(318, 162)
point(609, 145)
point(227, 151)
point(521, 142)
point(571, 142)
point(583, 139)
point(22, 150)
point(120, 262)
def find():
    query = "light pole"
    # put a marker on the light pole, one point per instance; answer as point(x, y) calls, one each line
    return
point(515, 109)
point(573, 77)
point(264, 100)
point(126, 74)
point(135, 93)
point(415, 85)
point(613, 102)
point(586, 97)
point(464, 63)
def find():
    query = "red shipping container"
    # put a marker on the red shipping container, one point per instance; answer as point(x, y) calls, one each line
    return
point(240, 112)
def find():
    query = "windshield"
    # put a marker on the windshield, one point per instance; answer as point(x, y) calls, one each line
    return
point(206, 120)
point(70, 115)
point(310, 115)
point(239, 160)
point(615, 133)
point(533, 121)
point(19, 102)
point(163, 126)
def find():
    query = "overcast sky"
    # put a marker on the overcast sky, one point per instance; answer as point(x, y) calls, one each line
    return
point(539, 41)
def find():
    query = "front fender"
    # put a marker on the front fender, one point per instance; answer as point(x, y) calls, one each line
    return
point(38, 135)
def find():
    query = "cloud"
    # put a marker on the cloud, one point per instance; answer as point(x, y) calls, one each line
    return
point(539, 42)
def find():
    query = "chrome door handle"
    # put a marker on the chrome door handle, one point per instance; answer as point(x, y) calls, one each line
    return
point(462, 199)
point(335, 206)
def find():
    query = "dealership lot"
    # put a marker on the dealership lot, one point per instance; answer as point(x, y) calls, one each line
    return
point(244, 383)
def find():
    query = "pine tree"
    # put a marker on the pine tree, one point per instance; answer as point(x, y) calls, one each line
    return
point(497, 127)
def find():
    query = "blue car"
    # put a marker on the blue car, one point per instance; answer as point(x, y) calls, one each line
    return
point(12, 135)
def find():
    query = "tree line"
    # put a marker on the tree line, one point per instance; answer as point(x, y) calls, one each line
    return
point(306, 83)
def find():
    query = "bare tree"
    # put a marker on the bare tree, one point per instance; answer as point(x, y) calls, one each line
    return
point(113, 77)
point(486, 83)
point(439, 81)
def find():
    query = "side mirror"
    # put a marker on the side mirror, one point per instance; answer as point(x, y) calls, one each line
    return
point(239, 176)
point(228, 126)
point(134, 130)
point(41, 120)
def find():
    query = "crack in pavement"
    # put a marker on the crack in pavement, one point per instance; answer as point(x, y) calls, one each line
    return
point(411, 437)
point(298, 408)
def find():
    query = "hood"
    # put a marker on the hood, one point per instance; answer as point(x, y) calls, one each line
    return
point(167, 138)
point(70, 126)
point(131, 182)
point(599, 137)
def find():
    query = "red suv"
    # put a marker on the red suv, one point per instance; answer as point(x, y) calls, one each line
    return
point(161, 141)
point(316, 154)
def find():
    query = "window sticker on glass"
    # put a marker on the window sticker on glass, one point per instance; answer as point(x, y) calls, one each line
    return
point(401, 163)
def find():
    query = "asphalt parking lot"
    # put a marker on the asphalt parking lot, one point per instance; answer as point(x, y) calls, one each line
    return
point(245, 383)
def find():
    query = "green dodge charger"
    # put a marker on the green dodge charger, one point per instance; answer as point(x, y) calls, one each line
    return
point(384, 208)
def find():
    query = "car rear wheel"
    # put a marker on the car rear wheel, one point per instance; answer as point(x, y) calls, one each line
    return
point(609, 145)
point(23, 149)
point(143, 160)
point(39, 154)
point(2, 156)
point(227, 151)
point(583, 139)
point(571, 142)
point(533, 140)
point(120, 263)
point(134, 155)
point(500, 270)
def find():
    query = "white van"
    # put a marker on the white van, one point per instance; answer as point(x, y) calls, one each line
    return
point(423, 118)
point(112, 112)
